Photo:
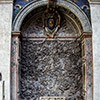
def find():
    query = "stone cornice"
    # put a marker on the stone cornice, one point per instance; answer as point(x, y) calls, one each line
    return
point(94, 2)
point(15, 33)
point(6, 1)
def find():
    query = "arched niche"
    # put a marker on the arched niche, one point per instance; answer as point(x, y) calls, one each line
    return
point(75, 29)
point(66, 4)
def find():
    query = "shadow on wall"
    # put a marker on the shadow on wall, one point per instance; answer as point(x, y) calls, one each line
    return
point(0, 77)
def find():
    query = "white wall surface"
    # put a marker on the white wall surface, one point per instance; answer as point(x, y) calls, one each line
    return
point(95, 17)
point(5, 45)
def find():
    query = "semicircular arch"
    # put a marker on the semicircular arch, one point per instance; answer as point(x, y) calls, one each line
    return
point(66, 4)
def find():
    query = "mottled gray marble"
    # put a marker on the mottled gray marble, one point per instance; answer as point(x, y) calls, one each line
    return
point(89, 68)
point(34, 28)
point(52, 68)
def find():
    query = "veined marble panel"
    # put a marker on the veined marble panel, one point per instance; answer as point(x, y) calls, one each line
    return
point(50, 68)
point(34, 28)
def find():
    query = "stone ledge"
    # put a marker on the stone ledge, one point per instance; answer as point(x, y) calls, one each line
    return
point(94, 0)
point(6, 1)
point(95, 3)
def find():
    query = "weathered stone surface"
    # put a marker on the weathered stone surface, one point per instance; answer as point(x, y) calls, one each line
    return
point(95, 16)
point(6, 1)
point(66, 4)
point(89, 68)
point(52, 98)
point(51, 68)
point(14, 67)
point(5, 46)
point(34, 28)
point(94, 0)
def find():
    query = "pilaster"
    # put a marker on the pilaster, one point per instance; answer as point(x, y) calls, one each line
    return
point(87, 65)
point(14, 65)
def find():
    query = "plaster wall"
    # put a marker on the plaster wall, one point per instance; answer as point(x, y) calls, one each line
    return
point(95, 16)
point(5, 46)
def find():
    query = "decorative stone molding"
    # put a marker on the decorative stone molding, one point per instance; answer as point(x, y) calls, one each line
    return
point(15, 33)
point(86, 36)
point(94, 0)
point(66, 4)
point(52, 98)
point(6, 1)
point(14, 65)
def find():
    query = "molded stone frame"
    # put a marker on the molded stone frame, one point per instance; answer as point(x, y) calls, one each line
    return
point(87, 59)
point(86, 37)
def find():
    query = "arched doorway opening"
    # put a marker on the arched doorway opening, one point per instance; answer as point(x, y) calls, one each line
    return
point(49, 66)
